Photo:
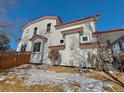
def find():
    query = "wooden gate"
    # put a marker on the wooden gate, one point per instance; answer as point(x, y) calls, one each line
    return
point(13, 59)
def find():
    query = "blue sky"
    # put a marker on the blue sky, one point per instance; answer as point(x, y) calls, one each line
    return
point(112, 15)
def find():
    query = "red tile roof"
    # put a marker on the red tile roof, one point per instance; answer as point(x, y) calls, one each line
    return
point(58, 19)
point(109, 31)
point(73, 21)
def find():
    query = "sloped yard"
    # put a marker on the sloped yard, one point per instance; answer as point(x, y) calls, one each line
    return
point(55, 78)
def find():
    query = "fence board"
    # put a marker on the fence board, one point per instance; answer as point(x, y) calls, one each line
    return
point(13, 59)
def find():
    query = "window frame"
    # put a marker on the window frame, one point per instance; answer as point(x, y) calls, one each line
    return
point(86, 35)
point(36, 47)
point(62, 42)
point(48, 27)
point(35, 31)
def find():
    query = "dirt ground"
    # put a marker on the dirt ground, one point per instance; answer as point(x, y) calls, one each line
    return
point(115, 78)
point(17, 86)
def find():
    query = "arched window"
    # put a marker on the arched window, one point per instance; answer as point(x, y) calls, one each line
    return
point(35, 30)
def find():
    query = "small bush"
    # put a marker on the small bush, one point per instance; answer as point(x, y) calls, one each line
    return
point(54, 56)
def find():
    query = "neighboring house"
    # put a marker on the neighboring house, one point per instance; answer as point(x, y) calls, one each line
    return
point(115, 38)
point(74, 39)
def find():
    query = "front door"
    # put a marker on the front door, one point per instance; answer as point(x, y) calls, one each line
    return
point(37, 53)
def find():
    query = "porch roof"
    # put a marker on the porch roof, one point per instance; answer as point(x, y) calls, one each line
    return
point(38, 36)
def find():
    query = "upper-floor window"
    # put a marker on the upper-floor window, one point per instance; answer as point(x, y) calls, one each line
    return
point(48, 27)
point(23, 48)
point(84, 38)
point(35, 31)
point(36, 47)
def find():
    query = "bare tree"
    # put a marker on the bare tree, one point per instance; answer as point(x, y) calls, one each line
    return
point(5, 24)
point(4, 42)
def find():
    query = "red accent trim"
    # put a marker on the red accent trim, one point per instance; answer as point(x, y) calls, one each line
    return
point(57, 47)
point(102, 43)
point(86, 44)
point(109, 31)
point(97, 15)
point(72, 30)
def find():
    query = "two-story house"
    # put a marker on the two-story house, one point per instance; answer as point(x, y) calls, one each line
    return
point(74, 39)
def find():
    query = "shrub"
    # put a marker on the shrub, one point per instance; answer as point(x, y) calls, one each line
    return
point(54, 56)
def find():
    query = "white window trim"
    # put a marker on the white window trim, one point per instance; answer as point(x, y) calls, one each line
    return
point(81, 38)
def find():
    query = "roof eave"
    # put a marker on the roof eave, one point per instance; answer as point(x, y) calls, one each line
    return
point(79, 20)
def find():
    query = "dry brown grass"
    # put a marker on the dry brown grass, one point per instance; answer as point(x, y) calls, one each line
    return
point(60, 69)
point(17, 86)
point(100, 75)
point(115, 78)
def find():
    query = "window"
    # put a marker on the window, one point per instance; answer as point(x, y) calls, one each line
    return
point(120, 45)
point(85, 38)
point(35, 30)
point(23, 48)
point(62, 41)
point(36, 47)
point(48, 27)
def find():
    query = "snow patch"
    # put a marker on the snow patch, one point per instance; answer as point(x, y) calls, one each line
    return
point(68, 81)
point(2, 78)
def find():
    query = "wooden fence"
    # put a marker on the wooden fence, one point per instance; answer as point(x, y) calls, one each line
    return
point(13, 59)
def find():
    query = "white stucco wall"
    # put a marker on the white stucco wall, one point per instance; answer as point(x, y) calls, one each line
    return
point(42, 27)
point(18, 47)
point(72, 55)
point(54, 36)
